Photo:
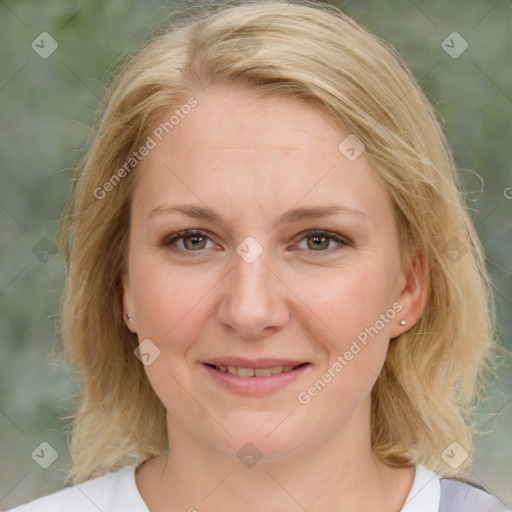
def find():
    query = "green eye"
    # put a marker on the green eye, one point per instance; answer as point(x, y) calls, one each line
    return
point(194, 240)
point(318, 240)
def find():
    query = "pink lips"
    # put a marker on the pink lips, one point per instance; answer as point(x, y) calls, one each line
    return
point(252, 363)
point(254, 385)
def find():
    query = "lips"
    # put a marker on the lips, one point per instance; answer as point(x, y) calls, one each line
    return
point(243, 371)
point(254, 377)
point(263, 363)
point(243, 367)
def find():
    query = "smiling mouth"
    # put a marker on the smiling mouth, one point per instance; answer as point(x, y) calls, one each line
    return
point(241, 371)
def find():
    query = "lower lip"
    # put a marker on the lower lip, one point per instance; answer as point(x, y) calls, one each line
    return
point(255, 385)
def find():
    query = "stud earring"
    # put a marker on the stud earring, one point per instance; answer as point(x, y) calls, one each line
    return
point(402, 322)
point(130, 317)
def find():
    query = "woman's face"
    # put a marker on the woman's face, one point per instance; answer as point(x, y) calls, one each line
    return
point(228, 311)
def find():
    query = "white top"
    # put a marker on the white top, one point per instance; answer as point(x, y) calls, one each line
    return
point(118, 492)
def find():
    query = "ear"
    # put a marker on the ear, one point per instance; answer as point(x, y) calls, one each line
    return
point(412, 296)
point(128, 306)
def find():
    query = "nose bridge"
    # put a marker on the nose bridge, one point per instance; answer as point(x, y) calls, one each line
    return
point(252, 300)
point(251, 274)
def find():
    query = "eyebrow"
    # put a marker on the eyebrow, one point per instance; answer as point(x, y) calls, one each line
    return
point(292, 215)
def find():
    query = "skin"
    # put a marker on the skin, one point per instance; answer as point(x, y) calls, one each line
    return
point(251, 159)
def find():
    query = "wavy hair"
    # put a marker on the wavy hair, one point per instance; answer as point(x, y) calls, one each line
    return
point(433, 372)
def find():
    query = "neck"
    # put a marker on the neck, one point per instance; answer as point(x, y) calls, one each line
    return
point(339, 475)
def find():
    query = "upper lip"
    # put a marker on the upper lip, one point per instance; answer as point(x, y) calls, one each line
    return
point(253, 363)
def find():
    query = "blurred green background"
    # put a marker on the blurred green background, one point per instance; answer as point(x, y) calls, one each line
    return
point(47, 107)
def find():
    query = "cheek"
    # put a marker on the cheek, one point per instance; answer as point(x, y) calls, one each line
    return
point(347, 322)
point(171, 303)
point(171, 307)
point(352, 313)
point(347, 301)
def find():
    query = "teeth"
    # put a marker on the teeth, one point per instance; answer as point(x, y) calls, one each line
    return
point(251, 372)
point(262, 372)
point(245, 372)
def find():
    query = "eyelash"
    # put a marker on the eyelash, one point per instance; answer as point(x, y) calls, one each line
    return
point(168, 241)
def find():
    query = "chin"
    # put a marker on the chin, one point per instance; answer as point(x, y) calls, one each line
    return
point(264, 436)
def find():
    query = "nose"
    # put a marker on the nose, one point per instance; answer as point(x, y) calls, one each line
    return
point(254, 301)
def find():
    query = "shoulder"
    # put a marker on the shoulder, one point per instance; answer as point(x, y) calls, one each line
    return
point(112, 492)
point(432, 493)
point(464, 497)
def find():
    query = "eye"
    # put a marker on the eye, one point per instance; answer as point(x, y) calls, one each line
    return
point(318, 240)
point(194, 240)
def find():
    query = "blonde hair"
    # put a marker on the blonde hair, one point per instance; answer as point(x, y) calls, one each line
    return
point(432, 372)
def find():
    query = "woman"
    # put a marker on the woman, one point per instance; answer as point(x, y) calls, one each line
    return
point(275, 296)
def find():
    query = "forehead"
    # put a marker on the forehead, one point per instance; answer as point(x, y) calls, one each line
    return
point(266, 152)
point(238, 118)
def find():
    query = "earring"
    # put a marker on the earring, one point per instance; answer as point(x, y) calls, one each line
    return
point(130, 317)
point(402, 322)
